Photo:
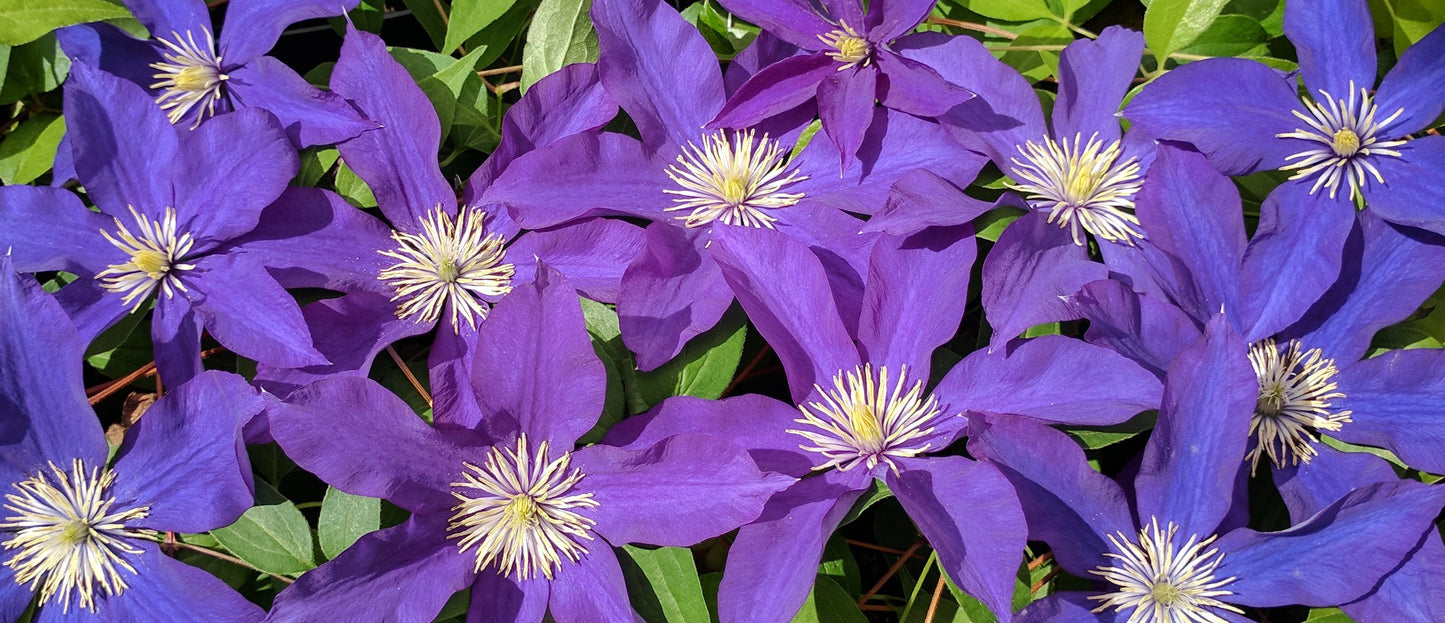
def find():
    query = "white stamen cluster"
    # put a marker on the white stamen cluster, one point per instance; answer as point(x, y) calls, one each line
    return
point(1082, 185)
point(452, 261)
point(1348, 139)
point(849, 47)
point(734, 181)
point(68, 543)
point(864, 419)
point(190, 76)
point(1296, 390)
point(156, 252)
point(1162, 583)
point(518, 510)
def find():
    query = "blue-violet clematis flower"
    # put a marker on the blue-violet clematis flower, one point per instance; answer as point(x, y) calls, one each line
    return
point(1177, 549)
point(850, 63)
point(508, 507)
point(1345, 139)
point(862, 413)
point(193, 79)
point(83, 535)
point(173, 204)
point(692, 181)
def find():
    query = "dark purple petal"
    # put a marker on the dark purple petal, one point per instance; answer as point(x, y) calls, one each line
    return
point(568, 101)
point(362, 439)
point(163, 17)
point(243, 307)
point(1408, 593)
point(677, 492)
point(50, 229)
point(1335, 41)
point(256, 24)
point(1068, 505)
point(349, 331)
point(308, 115)
point(1379, 524)
point(312, 238)
point(1142, 328)
point(670, 294)
point(912, 87)
point(1190, 211)
point(891, 19)
point(166, 589)
point(582, 175)
point(1029, 275)
point(1094, 75)
point(1413, 85)
point(1040, 378)
point(795, 315)
point(1414, 191)
point(592, 254)
point(1234, 127)
point(1396, 400)
point(757, 424)
point(794, 21)
point(42, 391)
point(1189, 465)
point(535, 365)
point(765, 50)
point(592, 589)
point(1066, 607)
point(846, 11)
point(772, 563)
point(176, 337)
point(832, 235)
point(1391, 271)
point(15, 597)
point(122, 142)
point(241, 161)
point(659, 69)
point(1307, 488)
point(775, 89)
point(1294, 258)
point(915, 295)
point(113, 50)
point(970, 515)
point(397, 161)
point(407, 572)
point(499, 599)
point(845, 106)
point(921, 199)
point(449, 373)
point(185, 459)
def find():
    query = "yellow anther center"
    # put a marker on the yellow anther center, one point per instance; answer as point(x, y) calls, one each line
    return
point(1086, 186)
point(75, 532)
point(1297, 390)
point(189, 77)
point(1163, 581)
point(734, 189)
point(1342, 141)
point(450, 261)
point(865, 418)
point(737, 181)
point(153, 263)
point(865, 426)
point(849, 47)
point(1346, 142)
point(196, 78)
point(1164, 593)
point(522, 510)
point(156, 250)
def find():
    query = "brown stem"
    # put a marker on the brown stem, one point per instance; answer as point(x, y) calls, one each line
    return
point(231, 559)
point(100, 392)
point(878, 586)
point(944, 21)
point(499, 71)
point(1044, 580)
point(880, 548)
point(405, 369)
point(1041, 560)
point(933, 603)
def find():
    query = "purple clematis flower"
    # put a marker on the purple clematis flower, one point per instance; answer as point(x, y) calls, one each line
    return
point(506, 507)
point(437, 264)
point(1343, 141)
point(692, 182)
point(851, 61)
point(863, 413)
point(172, 205)
point(193, 79)
point(83, 536)
point(1175, 548)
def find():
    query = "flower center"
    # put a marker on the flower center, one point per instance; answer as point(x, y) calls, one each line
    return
point(517, 509)
point(734, 181)
point(864, 419)
point(450, 261)
point(849, 47)
point(1082, 185)
point(155, 251)
point(190, 76)
point(66, 540)
point(1345, 139)
point(1164, 583)
point(1296, 390)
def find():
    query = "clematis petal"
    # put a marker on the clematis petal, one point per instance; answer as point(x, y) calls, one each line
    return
point(240, 160)
point(1067, 607)
point(1335, 40)
point(258, 23)
point(500, 599)
point(1412, 85)
point(889, 20)
point(170, 590)
point(1029, 274)
point(1394, 399)
point(162, 17)
point(1294, 258)
point(243, 307)
point(592, 254)
point(176, 338)
point(308, 115)
point(794, 21)
point(912, 87)
point(349, 331)
point(584, 175)
point(1148, 331)
point(111, 49)
point(593, 589)
point(312, 238)
point(680, 491)
point(670, 294)
point(775, 89)
point(922, 199)
point(449, 373)
point(915, 295)
point(1094, 76)
point(757, 424)
point(845, 106)
point(1415, 187)
point(123, 143)
point(50, 229)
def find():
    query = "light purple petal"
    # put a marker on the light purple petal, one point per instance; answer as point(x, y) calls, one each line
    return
point(168, 589)
point(670, 294)
point(50, 229)
point(922, 199)
point(1142, 328)
point(968, 512)
point(1414, 188)
point(1408, 593)
point(349, 331)
point(912, 87)
point(1189, 465)
point(592, 589)
point(915, 295)
point(1396, 400)
point(176, 338)
point(1294, 258)
point(498, 599)
point(794, 21)
point(845, 106)
point(1094, 75)
point(231, 168)
point(675, 493)
point(162, 17)
point(113, 50)
point(1029, 274)
point(312, 238)
point(891, 19)
point(1335, 41)
point(243, 307)
point(775, 89)
point(256, 24)
point(535, 365)
point(583, 175)
point(1413, 85)
point(1066, 607)
point(122, 142)
point(592, 254)
point(308, 115)
point(449, 374)
point(757, 424)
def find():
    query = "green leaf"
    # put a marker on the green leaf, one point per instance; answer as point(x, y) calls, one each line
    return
point(456, 92)
point(1413, 19)
point(35, 67)
point(1328, 615)
point(1230, 35)
point(877, 492)
point(991, 224)
point(344, 519)
point(352, 188)
point(315, 162)
point(663, 584)
point(273, 536)
point(29, 150)
point(23, 21)
point(704, 368)
point(1093, 438)
point(1172, 24)
point(469, 17)
point(829, 603)
point(1010, 10)
point(1038, 64)
point(561, 34)
point(838, 563)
